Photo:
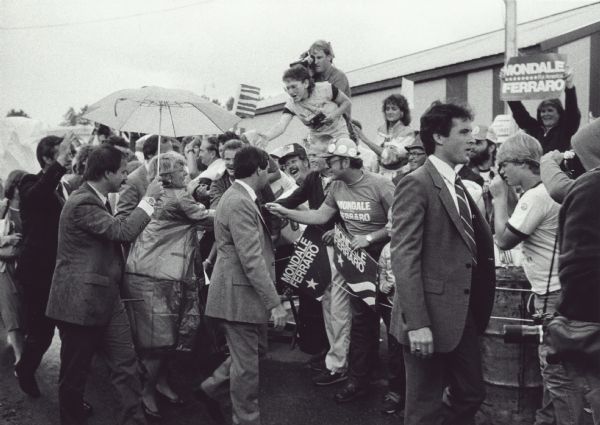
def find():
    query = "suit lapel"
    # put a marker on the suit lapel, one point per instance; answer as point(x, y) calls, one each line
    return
point(446, 199)
point(245, 193)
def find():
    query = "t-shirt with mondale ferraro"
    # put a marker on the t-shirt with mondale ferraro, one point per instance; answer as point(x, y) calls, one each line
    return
point(362, 205)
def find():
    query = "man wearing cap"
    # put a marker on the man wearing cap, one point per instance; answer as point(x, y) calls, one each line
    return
point(416, 158)
point(292, 159)
point(362, 199)
point(480, 168)
point(335, 304)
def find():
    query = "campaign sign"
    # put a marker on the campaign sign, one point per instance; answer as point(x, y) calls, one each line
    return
point(358, 268)
point(534, 77)
point(308, 267)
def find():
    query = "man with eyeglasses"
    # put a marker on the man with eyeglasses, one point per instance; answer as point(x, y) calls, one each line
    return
point(534, 224)
point(363, 200)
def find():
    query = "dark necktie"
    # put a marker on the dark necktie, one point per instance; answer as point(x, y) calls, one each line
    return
point(107, 205)
point(465, 217)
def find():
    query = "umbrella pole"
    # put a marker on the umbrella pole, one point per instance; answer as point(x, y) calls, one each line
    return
point(159, 140)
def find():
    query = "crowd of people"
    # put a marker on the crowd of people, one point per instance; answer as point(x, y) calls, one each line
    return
point(111, 243)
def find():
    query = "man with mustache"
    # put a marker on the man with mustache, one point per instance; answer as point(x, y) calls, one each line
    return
point(293, 161)
point(85, 298)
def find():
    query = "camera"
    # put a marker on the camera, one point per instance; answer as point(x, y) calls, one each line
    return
point(571, 164)
point(306, 59)
point(522, 334)
point(316, 121)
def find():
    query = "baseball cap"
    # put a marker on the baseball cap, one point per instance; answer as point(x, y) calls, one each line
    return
point(343, 146)
point(416, 144)
point(483, 132)
point(284, 152)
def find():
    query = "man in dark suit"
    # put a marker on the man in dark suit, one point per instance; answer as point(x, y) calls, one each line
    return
point(242, 292)
point(84, 297)
point(443, 261)
point(42, 200)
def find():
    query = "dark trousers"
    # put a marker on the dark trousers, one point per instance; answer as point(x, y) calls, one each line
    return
point(364, 334)
point(460, 369)
point(364, 341)
point(39, 328)
point(113, 342)
point(396, 370)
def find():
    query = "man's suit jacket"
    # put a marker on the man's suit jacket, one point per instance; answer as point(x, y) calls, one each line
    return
point(89, 264)
point(436, 280)
point(132, 191)
point(241, 288)
point(40, 203)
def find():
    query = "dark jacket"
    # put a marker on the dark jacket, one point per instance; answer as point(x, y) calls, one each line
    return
point(89, 266)
point(310, 190)
point(41, 204)
point(579, 243)
point(559, 136)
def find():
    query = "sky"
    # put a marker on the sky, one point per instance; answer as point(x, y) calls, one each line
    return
point(56, 54)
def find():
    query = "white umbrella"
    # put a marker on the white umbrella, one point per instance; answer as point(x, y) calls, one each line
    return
point(166, 112)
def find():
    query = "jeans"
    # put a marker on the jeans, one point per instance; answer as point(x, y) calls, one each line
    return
point(562, 402)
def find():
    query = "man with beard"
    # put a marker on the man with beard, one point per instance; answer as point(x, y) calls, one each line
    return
point(84, 297)
point(293, 161)
point(481, 165)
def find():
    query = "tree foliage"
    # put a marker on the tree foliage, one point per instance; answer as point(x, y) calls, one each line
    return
point(17, 113)
point(72, 117)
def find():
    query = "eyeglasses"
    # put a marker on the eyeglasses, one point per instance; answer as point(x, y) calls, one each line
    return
point(413, 153)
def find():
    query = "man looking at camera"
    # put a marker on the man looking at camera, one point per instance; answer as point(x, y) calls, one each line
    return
point(443, 261)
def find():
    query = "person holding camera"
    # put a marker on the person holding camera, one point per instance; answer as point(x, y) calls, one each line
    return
point(319, 58)
point(579, 269)
point(534, 223)
point(320, 106)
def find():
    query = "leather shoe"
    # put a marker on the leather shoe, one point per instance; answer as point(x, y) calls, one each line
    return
point(350, 392)
point(27, 381)
point(151, 415)
point(212, 406)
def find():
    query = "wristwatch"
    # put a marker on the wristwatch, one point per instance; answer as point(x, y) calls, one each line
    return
point(151, 201)
point(369, 239)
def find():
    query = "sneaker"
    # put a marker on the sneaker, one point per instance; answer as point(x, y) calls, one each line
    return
point(328, 378)
point(391, 403)
point(350, 392)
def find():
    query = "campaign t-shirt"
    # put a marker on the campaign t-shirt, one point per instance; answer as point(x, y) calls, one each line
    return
point(536, 219)
point(363, 205)
point(321, 100)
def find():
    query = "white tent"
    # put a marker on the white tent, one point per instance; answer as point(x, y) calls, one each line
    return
point(18, 138)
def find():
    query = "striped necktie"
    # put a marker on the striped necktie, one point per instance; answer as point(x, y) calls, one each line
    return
point(465, 217)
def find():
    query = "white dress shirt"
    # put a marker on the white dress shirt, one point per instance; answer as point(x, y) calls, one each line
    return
point(248, 189)
point(449, 176)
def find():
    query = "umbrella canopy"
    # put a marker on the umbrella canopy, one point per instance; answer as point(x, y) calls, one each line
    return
point(156, 110)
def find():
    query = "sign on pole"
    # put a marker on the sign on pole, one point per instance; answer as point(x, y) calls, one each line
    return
point(534, 77)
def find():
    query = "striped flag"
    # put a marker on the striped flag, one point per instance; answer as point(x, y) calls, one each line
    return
point(358, 268)
point(248, 97)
